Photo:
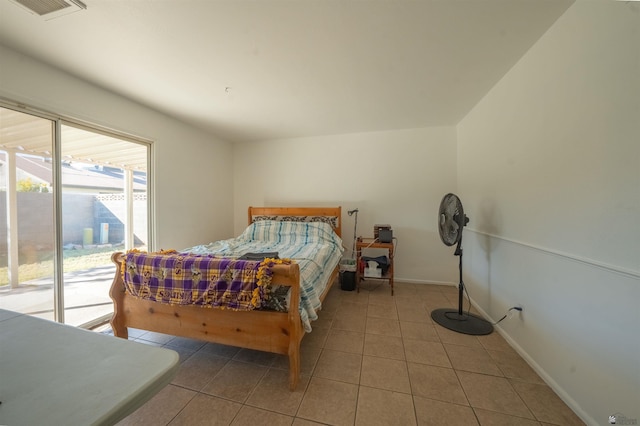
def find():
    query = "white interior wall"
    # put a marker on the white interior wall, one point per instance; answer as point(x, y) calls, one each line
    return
point(549, 165)
point(394, 177)
point(548, 172)
point(191, 165)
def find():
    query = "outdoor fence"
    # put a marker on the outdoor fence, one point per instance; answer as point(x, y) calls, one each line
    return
point(86, 218)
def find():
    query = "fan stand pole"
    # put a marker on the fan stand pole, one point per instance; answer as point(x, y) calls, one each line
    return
point(459, 321)
point(458, 253)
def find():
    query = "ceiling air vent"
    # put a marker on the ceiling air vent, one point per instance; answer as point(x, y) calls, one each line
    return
point(50, 9)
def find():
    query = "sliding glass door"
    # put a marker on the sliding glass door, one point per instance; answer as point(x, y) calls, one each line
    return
point(27, 233)
point(76, 201)
point(104, 209)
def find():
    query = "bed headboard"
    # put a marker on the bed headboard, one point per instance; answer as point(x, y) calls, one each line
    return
point(331, 215)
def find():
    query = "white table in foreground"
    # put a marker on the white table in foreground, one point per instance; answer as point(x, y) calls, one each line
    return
point(55, 374)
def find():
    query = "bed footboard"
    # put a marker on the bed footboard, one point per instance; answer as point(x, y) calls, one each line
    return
point(276, 332)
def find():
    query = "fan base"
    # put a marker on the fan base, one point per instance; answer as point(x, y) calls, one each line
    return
point(465, 323)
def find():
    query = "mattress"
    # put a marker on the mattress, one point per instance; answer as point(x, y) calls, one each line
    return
point(312, 245)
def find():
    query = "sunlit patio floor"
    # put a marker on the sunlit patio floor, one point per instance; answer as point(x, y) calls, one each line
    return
point(86, 296)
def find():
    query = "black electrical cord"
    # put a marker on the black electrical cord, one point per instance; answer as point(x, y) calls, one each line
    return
point(514, 308)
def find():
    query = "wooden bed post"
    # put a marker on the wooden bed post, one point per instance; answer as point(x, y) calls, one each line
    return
point(295, 327)
point(117, 295)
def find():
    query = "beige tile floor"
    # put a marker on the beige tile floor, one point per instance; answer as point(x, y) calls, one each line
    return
point(372, 359)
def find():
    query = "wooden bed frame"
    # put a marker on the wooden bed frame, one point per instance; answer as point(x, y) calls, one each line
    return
point(277, 332)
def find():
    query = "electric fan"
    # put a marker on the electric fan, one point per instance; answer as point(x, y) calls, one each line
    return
point(451, 221)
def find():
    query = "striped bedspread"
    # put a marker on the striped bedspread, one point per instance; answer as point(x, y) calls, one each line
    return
point(313, 245)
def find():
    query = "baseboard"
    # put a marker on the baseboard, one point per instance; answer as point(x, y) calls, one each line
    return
point(559, 390)
point(414, 281)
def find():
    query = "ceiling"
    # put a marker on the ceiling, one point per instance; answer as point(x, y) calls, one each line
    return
point(270, 69)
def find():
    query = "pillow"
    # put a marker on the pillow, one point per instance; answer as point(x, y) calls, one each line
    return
point(331, 220)
point(288, 232)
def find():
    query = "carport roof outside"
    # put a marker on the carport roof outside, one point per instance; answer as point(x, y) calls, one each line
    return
point(29, 134)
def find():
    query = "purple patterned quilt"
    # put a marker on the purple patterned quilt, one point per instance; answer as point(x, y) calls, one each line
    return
point(182, 279)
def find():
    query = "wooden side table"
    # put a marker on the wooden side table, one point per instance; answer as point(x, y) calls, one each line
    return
point(365, 243)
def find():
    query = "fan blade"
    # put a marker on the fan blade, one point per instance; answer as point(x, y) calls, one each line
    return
point(450, 219)
point(451, 208)
point(450, 229)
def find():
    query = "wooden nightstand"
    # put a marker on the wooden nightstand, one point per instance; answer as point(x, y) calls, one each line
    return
point(365, 243)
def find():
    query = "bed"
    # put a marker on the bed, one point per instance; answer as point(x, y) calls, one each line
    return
point(302, 248)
